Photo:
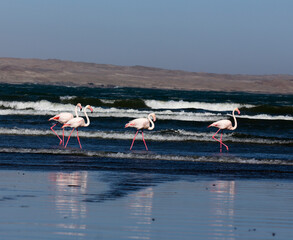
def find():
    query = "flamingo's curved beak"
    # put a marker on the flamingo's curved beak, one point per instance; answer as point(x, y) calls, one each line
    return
point(238, 111)
point(80, 107)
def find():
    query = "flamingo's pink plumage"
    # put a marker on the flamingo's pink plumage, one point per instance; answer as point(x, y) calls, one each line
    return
point(224, 124)
point(77, 122)
point(141, 124)
point(63, 118)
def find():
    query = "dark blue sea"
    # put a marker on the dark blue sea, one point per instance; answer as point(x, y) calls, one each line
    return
point(181, 143)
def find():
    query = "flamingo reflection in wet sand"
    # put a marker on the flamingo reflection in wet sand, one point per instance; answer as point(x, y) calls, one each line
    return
point(141, 124)
point(63, 118)
point(224, 124)
point(77, 122)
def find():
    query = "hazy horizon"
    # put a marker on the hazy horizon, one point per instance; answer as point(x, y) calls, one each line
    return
point(226, 37)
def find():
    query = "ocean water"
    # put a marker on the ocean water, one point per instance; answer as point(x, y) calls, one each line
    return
point(181, 143)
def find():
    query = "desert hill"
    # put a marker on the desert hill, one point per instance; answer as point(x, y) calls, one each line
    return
point(52, 71)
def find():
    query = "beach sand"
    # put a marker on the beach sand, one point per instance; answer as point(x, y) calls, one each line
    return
point(126, 205)
point(17, 71)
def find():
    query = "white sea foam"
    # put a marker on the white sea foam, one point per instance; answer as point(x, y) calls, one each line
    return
point(41, 106)
point(155, 104)
point(161, 115)
point(67, 97)
point(267, 117)
point(175, 136)
point(107, 101)
point(150, 156)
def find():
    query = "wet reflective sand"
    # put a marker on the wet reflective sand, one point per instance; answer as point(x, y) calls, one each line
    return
point(126, 205)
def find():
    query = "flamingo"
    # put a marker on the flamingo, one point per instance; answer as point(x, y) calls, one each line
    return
point(140, 124)
point(224, 124)
point(63, 118)
point(77, 122)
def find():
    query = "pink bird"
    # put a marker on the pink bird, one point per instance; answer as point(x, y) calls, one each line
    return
point(224, 124)
point(63, 118)
point(140, 124)
point(77, 122)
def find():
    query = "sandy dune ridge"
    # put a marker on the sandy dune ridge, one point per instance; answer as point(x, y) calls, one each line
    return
point(53, 71)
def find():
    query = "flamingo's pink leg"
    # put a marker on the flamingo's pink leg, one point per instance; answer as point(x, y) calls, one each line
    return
point(134, 139)
point(215, 135)
point(69, 137)
point(63, 137)
point(56, 133)
point(220, 141)
point(78, 138)
point(144, 141)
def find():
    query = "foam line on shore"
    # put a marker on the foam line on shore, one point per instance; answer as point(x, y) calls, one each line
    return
point(174, 136)
point(144, 156)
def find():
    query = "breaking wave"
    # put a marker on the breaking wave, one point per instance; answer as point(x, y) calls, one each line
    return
point(155, 104)
point(45, 107)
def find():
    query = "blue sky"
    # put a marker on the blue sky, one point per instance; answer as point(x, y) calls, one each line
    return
point(217, 36)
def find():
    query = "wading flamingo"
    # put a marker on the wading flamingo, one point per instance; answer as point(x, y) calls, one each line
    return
point(224, 124)
point(141, 124)
point(77, 122)
point(63, 118)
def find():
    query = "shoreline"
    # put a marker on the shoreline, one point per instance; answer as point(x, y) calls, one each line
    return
point(68, 73)
point(86, 204)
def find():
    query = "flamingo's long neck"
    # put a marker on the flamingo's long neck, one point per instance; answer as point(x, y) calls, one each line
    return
point(235, 121)
point(76, 114)
point(87, 118)
point(152, 123)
